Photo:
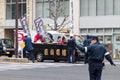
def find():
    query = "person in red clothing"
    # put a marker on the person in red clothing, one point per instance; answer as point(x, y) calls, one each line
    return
point(63, 40)
point(37, 37)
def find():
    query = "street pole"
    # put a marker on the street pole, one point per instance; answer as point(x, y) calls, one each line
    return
point(16, 29)
point(75, 17)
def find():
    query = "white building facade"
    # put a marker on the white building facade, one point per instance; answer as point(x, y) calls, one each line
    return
point(101, 17)
point(92, 17)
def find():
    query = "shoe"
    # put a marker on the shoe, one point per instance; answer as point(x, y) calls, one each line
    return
point(33, 61)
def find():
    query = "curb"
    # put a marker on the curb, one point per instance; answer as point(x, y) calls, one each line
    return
point(14, 60)
point(116, 60)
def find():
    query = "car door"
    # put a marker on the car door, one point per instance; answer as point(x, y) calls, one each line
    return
point(1, 46)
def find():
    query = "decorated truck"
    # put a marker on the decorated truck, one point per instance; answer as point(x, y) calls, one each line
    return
point(55, 51)
point(48, 50)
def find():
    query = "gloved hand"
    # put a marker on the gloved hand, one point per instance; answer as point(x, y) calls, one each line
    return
point(113, 64)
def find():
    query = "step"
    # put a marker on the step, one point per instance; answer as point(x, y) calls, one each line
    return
point(14, 60)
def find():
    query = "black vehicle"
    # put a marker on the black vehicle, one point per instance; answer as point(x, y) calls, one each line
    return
point(54, 52)
point(6, 47)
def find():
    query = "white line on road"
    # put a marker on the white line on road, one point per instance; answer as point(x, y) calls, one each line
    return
point(18, 66)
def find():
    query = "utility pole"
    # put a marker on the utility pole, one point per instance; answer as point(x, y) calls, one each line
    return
point(16, 29)
point(75, 17)
point(71, 17)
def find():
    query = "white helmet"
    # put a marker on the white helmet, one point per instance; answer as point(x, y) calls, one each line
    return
point(71, 34)
point(25, 34)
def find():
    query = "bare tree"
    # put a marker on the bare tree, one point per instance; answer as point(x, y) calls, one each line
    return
point(57, 9)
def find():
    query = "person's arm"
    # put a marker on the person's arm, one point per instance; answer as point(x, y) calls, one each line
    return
point(81, 48)
point(108, 57)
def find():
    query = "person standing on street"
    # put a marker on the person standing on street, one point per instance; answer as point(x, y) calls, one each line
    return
point(86, 43)
point(29, 48)
point(71, 47)
point(97, 52)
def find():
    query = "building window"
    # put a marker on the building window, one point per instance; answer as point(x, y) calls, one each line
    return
point(99, 30)
point(116, 30)
point(117, 39)
point(83, 30)
point(116, 7)
point(10, 8)
point(109, 7)
point(100, 39)
point(91, 30)
point(99, 7)
point(43, 8)
point(108, 39)
point(84, 7)
point(92, 7)
point(108, 30)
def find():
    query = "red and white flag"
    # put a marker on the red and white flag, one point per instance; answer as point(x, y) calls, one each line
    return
point(39, 25)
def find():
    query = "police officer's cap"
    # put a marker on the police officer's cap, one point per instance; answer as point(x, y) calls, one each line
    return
point(95, 38)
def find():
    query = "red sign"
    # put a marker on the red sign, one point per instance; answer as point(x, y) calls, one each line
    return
point(20, 35)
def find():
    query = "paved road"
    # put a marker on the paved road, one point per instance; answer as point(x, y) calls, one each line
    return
point(53, 71)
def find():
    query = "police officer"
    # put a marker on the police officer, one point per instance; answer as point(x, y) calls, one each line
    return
point(97, 52)
point(86, 43)
point(71, 47)
point(28, 47)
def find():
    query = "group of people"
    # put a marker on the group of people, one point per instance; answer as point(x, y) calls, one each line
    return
point(61, 40)
point(94, 55)
point(93, 49)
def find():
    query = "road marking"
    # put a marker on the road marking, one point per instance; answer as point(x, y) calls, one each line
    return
point(18, 66)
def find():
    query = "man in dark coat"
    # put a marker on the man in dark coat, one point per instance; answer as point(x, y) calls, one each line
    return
point(28, 47)
point(97, 52)
point(71, 47)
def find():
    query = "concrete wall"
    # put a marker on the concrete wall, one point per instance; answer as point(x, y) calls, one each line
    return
point(30, 13)
point(2, 17)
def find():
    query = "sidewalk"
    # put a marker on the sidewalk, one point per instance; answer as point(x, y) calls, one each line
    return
point(116, 60)
point(13, 59)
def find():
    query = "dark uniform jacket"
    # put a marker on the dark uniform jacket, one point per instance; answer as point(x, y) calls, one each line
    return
point(71, 43)
point(86, 42)
point(28, 43)
point(97, 52)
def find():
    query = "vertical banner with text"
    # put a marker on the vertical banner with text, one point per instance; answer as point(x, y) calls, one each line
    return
point(39, 25)
point(24, 25)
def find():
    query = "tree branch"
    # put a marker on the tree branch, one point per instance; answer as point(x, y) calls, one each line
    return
point(63, 21)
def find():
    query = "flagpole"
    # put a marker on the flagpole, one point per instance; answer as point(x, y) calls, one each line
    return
point(71, 17)
point(16, 30)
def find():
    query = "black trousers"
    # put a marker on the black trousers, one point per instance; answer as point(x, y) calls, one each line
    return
point(28, 55)
point(95, 70)
point(86, 58)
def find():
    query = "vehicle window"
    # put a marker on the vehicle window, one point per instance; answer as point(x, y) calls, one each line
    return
point(0, 43)
point(8, 43)
point(55, 36)
point(79, 40)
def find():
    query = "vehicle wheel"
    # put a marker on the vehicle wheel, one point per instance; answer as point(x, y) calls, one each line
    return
point(10, 55)
point(39, 57)
point(56, 60)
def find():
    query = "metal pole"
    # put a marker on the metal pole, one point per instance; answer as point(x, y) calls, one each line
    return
point(16, 29)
